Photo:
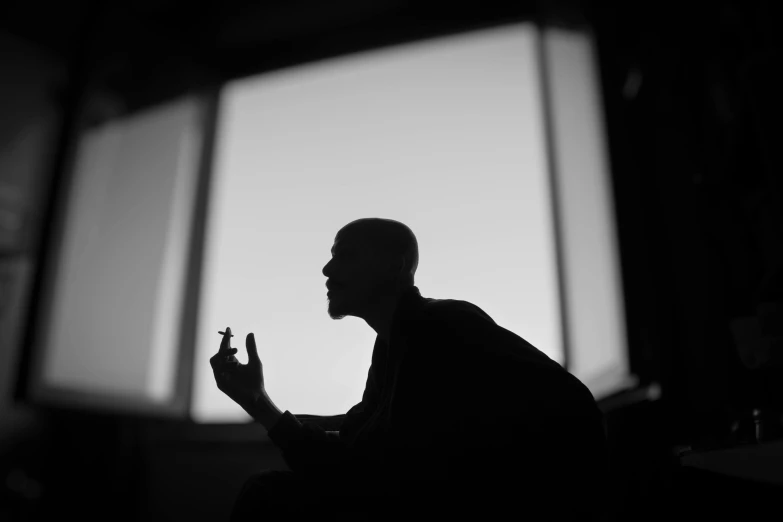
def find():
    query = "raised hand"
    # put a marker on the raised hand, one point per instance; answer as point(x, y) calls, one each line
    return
point(243, 383)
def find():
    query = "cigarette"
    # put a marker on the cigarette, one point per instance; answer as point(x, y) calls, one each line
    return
point(224, 333)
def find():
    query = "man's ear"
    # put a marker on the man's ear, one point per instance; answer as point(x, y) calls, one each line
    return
point(400, 266)
point(396, 269)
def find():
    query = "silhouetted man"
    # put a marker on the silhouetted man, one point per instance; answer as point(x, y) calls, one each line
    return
point(459, 416)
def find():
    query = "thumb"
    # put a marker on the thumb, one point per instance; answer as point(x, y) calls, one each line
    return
point(252, 349)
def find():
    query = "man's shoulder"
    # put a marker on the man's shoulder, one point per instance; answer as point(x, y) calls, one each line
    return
point(466, 324)
point(450, 310)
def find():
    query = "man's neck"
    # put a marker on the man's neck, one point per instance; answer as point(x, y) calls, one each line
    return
point(381, 315)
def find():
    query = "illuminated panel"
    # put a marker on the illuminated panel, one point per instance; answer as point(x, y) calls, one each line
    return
point(116, 301)
point(443, 135)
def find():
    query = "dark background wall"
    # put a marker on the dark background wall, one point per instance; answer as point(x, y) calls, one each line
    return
point(693, 113)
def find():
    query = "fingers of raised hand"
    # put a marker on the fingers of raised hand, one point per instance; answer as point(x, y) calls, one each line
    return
point(224, 358)
point(229, 358)
point(225, 343)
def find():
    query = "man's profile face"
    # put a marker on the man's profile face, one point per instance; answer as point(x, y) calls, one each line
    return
point(353, 276)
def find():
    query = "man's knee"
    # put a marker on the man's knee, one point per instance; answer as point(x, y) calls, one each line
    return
point(268, 492)
point(268, 478)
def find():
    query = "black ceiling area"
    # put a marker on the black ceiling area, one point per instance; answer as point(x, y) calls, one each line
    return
point(150, 50)
point(224, 34)
point(147, 51)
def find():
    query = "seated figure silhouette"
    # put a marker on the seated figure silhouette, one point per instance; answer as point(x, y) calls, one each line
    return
point(459, 416)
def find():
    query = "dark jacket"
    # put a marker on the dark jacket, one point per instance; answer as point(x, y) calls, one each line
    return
point(458, 405)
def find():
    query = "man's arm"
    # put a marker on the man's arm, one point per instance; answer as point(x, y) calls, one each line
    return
point(309, 449)
point(266, 412)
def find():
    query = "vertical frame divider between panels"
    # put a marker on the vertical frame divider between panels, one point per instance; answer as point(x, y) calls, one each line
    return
point(188, 329)
point(553, 169)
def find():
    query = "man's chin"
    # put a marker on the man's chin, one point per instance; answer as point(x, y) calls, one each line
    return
point(337, 304)
point(335, 314)
point(334, 311)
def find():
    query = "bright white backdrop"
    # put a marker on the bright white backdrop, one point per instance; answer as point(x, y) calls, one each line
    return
point(445, 136)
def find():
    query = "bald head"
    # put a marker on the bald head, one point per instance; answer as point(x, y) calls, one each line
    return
point(386, 241)
point(373, 264)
